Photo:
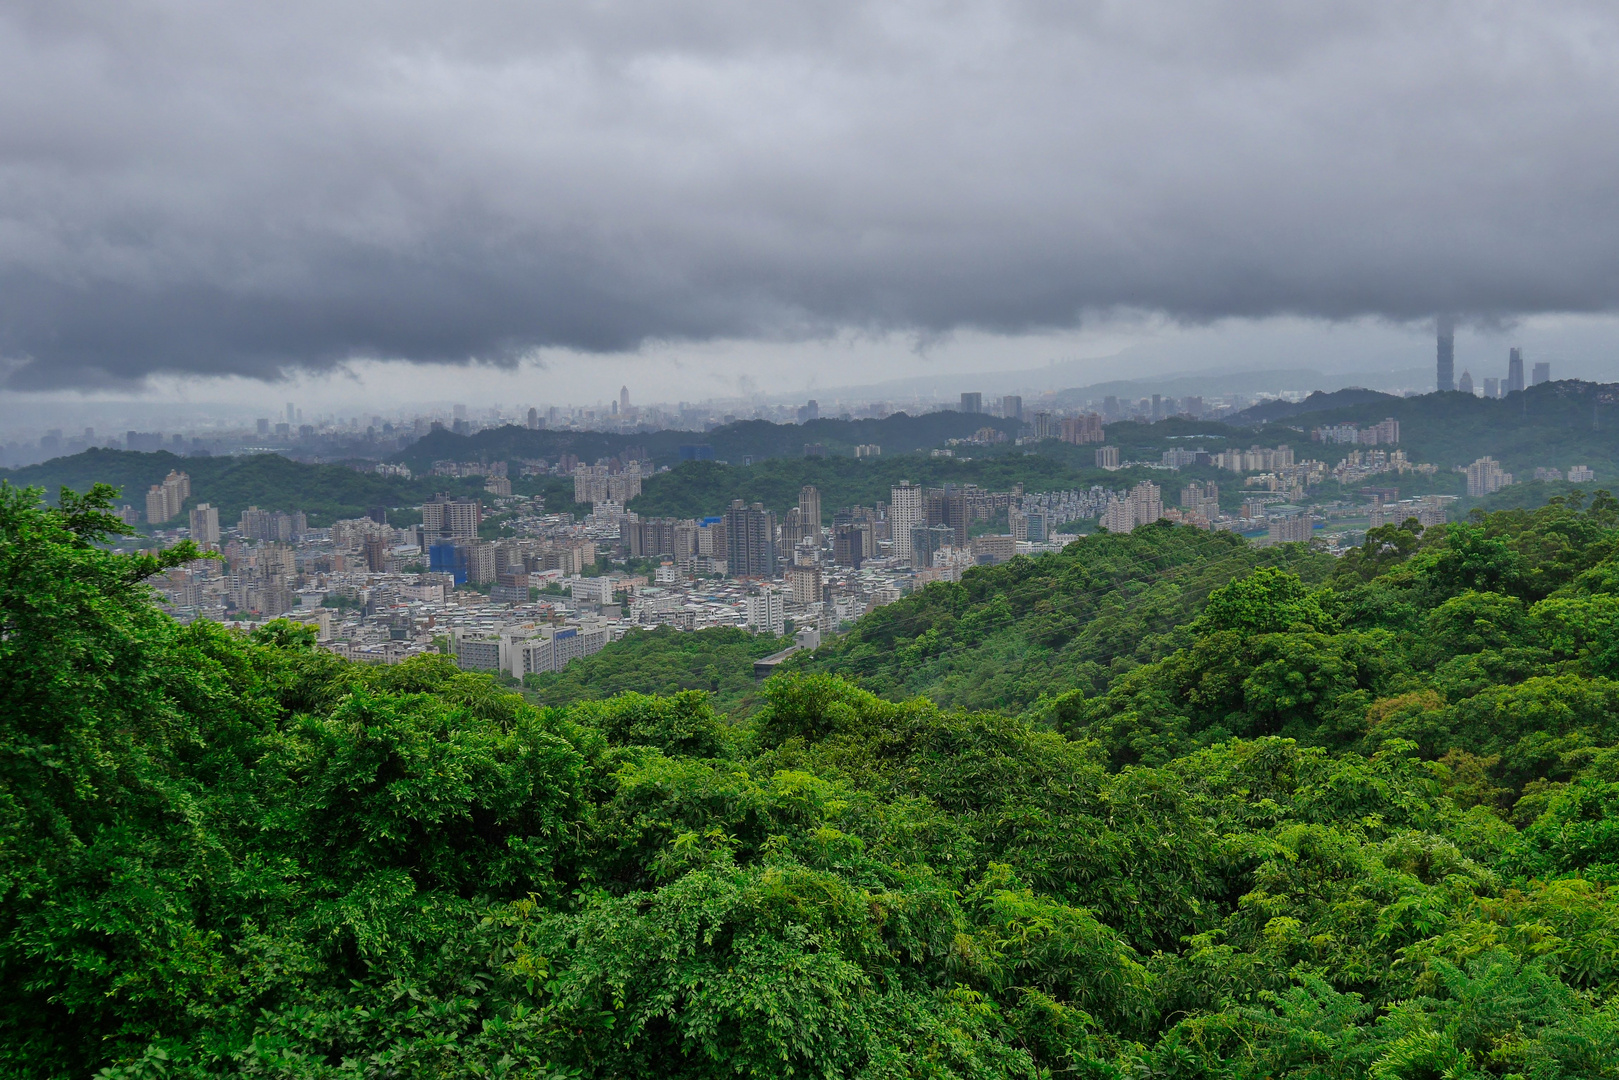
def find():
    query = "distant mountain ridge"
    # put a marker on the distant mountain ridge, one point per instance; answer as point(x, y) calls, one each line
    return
point(897, 434)
point(1267, 412)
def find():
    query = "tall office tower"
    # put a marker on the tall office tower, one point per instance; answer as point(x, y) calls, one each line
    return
point(905, 510)
point(750, 541)
point(809, 512)
point(623, 400)
point(1110, 407)
point(533, 419)
point(1012, 407)
point(292, 414)
point(972, 402)
point(1543, 373)
point(1466, 385)
point(205, 525)
point(1514, 370)
point(263, 427)
point(1447, 354)
point(1492, 388)
point(1157, 407)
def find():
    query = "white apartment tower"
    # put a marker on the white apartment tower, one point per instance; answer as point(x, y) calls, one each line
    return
point(904, 511)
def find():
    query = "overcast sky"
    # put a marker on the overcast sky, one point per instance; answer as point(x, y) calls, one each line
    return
point(764, 190)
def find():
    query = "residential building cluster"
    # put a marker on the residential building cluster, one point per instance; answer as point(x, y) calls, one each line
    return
point(1386, 433)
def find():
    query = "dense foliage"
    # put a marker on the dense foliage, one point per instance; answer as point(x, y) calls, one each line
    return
point(1367, 828)
point(1007, 636)
point(718, 661)
point(1554, 425)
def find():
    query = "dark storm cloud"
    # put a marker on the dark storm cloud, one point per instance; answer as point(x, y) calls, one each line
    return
point(208, 188)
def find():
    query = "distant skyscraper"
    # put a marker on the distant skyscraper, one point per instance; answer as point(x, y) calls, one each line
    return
point(1446, 379)
point(623, 400)
point(1492, 388)
point(1012, 407)
point(292, 414)
point(1542, 373)
point(533, 419)
point(1466, 385)
point(1514, 370)
point(972, 402)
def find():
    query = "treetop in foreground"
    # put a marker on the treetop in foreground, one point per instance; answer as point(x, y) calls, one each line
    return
point(1359, 822)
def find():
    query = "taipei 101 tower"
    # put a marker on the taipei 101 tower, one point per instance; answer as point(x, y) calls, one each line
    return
point(1447, 353)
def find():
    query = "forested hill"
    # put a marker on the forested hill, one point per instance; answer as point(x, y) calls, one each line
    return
point(1008, 635)
point(324, 492)
point(1555, 424)
point(756, 439)
point(1360, 830)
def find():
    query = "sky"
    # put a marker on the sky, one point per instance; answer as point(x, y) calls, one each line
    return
point(412, 200)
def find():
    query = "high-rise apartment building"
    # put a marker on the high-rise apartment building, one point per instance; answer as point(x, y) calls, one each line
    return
point(1012, 407)
point(1202, 499)
point(1079, 430)
point(1492, 388)
point(205, 525)
point(750, 541)
point(805, 583)
point(164, 500)
point(1142, 506)
point(376, 554)
point(972, 402)
point(533, 419)
point(809, 512)
point(905, 510)
point(1290, 527)
point(848, 543)
point(767, 610)
point(927, 540)
point(1484, 477)
point(446, 516)
point(1043, 428)
point(1446, 374)
point(1542, 373)
point(1107, 457)
point(1514, 370)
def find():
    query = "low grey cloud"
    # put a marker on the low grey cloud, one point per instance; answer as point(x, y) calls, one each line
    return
point(251, 189)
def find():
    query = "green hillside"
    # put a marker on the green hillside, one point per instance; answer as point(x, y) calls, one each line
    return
point(718, 661)
point(1007, 636)
point(1364, 829)
point(324, 492)
point(1553, 425)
